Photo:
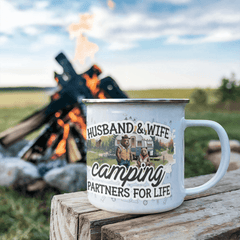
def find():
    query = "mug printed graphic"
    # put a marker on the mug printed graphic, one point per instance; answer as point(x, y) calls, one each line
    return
point(129, 160)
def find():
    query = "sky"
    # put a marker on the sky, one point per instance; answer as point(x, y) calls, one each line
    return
point(143, 44)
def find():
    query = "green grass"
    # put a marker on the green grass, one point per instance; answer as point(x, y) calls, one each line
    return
point(23, 99)
point(159, 162)
point(161, 93)
point(24, 217)
point(16, 106)
point(12, 116)
point(229, 121)
point(197, 138)
point(94, 157)
point(27, 217)
point(171, 93)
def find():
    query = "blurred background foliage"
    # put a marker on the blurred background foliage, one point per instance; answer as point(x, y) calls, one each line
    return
point(229, 89)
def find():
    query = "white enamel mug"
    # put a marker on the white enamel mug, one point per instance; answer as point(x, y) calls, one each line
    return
point(135, 157)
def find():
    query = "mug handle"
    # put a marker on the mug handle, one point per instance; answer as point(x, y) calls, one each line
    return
point(225, 148)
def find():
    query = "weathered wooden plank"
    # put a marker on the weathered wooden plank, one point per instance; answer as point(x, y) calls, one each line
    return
point(65, 211)
point(84, 221)
point(90, 223)
point(60, 225)
point(230, 182)
point(203, 218)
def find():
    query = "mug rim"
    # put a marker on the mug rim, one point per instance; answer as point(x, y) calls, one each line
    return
point(136, 100)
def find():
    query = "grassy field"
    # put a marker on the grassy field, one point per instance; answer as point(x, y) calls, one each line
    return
point(27, 217)
point(16, 106)
point(171, 93)
point(24, 216)
point(23, 99)
point(197, 138)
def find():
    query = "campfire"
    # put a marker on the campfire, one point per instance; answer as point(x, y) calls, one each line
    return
point(62, 141)
point(64, 135)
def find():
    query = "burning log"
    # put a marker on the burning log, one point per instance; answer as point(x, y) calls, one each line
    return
point(65, 132)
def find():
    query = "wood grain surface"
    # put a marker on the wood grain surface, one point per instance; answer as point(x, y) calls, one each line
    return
point(213, 214)
point(202, 218)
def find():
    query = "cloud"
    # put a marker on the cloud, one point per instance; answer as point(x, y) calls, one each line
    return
point(12, 18)
point(46, 41)
point(217, 21)
point(222, 35)
point(42, 4)
point(31, 30)
point(28, 20)
point(177, 2)
point(121, 46)
point(3, 40)
point(122, 31)
point(35, 25)
point(213, 23)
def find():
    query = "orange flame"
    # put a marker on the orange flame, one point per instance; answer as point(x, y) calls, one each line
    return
point(75, 116)
point(51, 139)
point(96, 67)
point(57, 114)
point(55, 96)
point(61, 147)
point(93, 85)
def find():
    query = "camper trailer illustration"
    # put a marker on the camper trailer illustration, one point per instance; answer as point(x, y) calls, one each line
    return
point(137, 142)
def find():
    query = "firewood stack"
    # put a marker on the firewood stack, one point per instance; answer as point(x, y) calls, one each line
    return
point(64, 135)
